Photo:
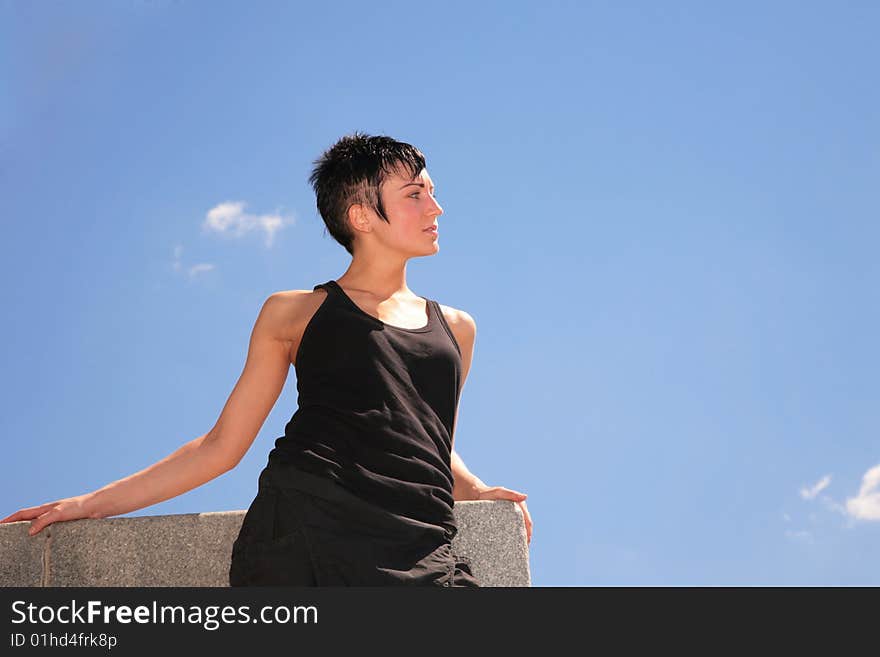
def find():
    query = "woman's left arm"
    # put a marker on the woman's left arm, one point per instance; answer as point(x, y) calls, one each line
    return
point(466, 485)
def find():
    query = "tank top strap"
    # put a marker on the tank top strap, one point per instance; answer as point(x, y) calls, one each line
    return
point(441, 319)
point(330, 288)
point(336, 294)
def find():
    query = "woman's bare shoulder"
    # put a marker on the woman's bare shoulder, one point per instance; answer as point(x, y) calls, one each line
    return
point(297, 297)
point(290, 310)
point(457, 316)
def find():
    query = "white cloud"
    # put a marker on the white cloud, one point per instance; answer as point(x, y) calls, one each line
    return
point(195, 270)
point(866, 505)
point(818, 487)
point(229, 218)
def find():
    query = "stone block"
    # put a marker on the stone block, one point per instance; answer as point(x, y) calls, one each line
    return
point(195, 549)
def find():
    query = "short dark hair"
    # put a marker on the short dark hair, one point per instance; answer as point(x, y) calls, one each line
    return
point(352, 171)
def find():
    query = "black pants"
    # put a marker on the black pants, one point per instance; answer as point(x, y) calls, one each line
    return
point(291, 538)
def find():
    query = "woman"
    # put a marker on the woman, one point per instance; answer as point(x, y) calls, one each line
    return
point(361, 487)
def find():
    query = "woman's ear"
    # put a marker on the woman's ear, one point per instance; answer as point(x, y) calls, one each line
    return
point(357, 217)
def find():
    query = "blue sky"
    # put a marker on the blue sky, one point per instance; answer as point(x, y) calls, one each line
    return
point(662, 216)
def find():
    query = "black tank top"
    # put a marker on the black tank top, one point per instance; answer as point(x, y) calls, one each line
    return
point(373, 433)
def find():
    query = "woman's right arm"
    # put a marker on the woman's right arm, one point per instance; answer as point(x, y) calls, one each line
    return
point(208, 456)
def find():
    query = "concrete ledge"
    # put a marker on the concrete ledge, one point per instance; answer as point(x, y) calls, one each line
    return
point(194, 549)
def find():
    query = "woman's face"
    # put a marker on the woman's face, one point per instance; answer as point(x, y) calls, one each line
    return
point(411, 208)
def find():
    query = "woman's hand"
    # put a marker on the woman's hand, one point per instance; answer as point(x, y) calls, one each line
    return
point(500, 493)
point(70, 508)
